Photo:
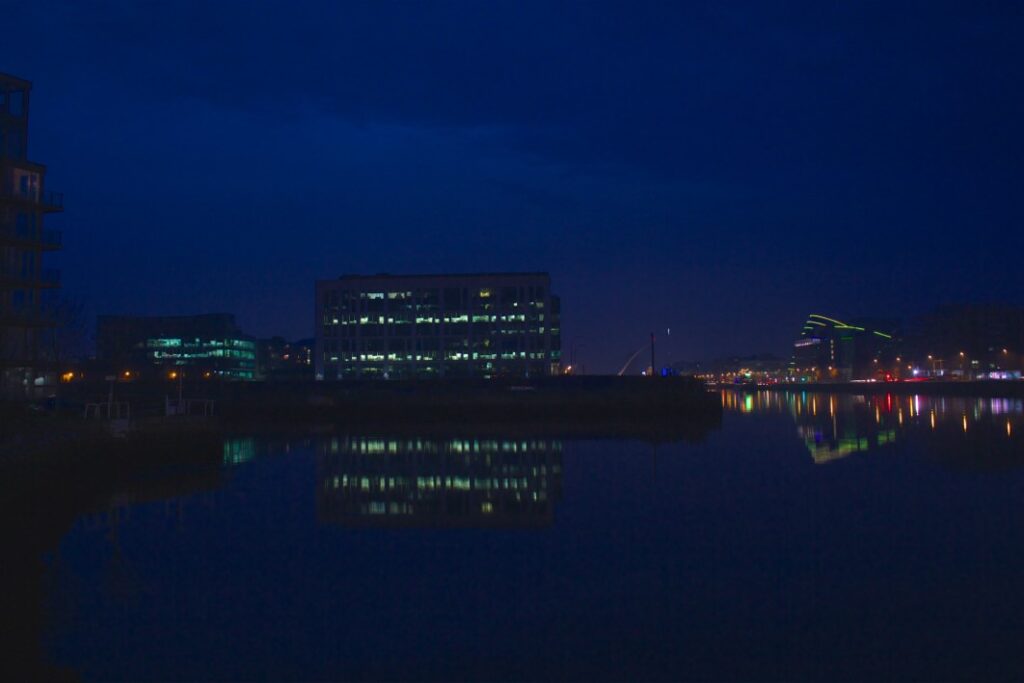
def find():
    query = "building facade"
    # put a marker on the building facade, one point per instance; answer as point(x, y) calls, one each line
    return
point(833, 350)
point(978, 341)
point(423, 326)
point(211, 344)
point(26, 327)
point(281, 360)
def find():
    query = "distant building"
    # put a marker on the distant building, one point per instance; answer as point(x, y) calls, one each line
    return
point(970, 341)
point(473, 325)
point(208, 343)
point(282, 360)
point(761, 368)
point(831, 349)
point(26, 328)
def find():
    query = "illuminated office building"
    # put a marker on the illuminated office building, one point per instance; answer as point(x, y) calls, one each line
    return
point(26, 328)
point(209, 343)
point(474, 325)
point(829, 349)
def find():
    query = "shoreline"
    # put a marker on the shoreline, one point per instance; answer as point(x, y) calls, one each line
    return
point(969, 389)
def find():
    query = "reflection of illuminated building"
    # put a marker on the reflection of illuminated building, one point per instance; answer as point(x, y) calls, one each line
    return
point(411, 482)
point(833, 426)
point(239, 450)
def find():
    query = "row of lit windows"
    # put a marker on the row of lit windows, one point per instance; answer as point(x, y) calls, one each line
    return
point(199, 355)
point(480, 336)
point(173, 342)
point(432, 356)
point(449, 294)
point(518, 342)
point(431, 483)
point(459, 446)
point(391, 307)
point(483, 370)
point(460, 330)
point(340, 319)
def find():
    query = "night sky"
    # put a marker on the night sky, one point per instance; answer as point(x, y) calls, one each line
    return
point(721, 169)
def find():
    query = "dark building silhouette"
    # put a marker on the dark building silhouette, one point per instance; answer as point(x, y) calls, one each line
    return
point(756, 367)
point(26, 326)
point(967, 340)
point(430, 482)
point(473, 325)
point(210, 343)
point(281, 360)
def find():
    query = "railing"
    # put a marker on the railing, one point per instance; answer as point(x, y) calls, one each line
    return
point(49, 239)
point(54, 201)
point(52, 238)
point(49, 277)
point(110, 410)
point(46, 278)
point(26, 316)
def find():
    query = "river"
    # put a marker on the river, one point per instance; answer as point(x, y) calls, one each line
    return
point(811, 536)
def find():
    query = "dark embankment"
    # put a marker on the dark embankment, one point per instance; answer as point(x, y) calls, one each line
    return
point(572, 401)
point(47, 483)
point(656, 408)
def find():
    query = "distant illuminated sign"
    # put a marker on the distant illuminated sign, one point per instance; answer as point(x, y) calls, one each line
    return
point(806, 342)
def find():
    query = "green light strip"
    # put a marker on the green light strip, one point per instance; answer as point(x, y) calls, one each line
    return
point(823, 317)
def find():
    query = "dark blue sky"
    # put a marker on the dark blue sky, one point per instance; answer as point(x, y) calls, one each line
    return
point(718, 168)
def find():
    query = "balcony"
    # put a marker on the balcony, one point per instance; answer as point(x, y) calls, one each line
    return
point(48, 202)
point(49, 278)
point(48, 240)
point(14, 278)
point(52, 201)
point(51, 239)
point(26, 316)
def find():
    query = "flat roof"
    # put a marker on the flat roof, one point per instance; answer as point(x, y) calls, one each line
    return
point(193, 316)
point(393, 276)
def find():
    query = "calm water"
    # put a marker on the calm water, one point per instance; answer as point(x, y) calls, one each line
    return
point(810, 537)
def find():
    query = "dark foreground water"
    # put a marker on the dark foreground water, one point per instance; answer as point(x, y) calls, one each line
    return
point(811, 537)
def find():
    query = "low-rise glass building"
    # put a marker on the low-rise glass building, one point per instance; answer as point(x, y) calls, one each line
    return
point(422, 326)
point(210, 343)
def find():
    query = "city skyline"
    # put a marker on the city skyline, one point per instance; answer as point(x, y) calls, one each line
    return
point(717, 172)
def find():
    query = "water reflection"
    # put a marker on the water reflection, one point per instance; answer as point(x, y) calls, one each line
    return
point(416, 482)
point(276, 558)
point(968, 431)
